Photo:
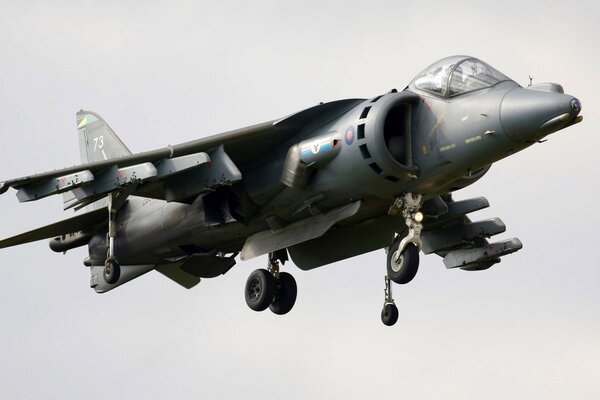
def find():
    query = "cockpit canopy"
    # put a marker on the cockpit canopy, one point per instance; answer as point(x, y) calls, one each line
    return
point(456, 75)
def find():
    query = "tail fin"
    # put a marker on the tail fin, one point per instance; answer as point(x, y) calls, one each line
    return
point(97, 142)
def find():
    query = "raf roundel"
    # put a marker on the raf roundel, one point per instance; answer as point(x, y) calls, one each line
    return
point(349, 136)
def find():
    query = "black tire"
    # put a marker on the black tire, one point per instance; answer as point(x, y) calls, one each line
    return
point(260, 289)
point(285, 294)
point(404, 271)
point(389, 314)
point(112, 271)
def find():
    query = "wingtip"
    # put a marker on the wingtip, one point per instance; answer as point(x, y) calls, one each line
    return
point(3, 187)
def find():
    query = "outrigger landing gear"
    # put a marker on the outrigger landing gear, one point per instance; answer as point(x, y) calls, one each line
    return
point(269, 288)
point(389, 314)
point(403, 254)
point(112, 269)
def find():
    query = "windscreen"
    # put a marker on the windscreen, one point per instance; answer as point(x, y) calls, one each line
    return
point(435, 78)
point(456, 75)
point(472, 75)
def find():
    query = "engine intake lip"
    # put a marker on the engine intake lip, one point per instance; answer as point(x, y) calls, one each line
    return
point(377, 136)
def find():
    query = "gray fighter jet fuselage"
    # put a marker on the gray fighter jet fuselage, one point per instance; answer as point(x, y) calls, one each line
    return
point(328, 183)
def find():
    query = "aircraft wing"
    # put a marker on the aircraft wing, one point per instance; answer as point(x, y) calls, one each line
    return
point(200, 164)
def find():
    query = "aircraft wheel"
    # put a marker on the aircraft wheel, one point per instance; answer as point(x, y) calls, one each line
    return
point(112, 271)
point(389, 314)
point(285, 294)
point(260, 289)
point(404, 269)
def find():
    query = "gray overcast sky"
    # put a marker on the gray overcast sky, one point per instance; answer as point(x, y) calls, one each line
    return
point(166, 72)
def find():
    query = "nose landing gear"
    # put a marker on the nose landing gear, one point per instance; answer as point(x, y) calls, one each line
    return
point(402, 266)
point(270, 288)
point(403, 254)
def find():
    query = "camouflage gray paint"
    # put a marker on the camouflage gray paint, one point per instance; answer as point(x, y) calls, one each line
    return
point(325, 184)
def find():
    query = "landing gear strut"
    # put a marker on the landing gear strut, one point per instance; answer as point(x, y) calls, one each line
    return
point(112, 269)
point(389, 314)
point(403, 254)
point(269, 288)
point(408, 206)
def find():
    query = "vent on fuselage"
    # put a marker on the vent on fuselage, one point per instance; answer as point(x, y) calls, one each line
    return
point(364, 151)
point(376, 168)
point(360, 132)
point(365, 112)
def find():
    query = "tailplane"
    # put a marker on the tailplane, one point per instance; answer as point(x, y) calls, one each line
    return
point(97, 141)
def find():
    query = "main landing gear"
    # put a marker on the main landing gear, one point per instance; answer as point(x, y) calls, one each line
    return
point(403, 254)
point(269, 288)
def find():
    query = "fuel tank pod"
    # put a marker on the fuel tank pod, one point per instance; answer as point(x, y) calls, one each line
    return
point(61, 244)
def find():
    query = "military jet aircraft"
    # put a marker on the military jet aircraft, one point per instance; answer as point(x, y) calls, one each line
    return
point(322, 185)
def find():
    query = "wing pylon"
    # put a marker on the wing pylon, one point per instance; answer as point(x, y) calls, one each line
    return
point(461, 242)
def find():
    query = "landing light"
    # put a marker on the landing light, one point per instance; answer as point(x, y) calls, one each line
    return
point(418, 216)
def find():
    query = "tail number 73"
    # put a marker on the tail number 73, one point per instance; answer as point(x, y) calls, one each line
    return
point(98, 142)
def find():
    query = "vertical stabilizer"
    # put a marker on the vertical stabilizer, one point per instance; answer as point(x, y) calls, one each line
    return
point(97, 142)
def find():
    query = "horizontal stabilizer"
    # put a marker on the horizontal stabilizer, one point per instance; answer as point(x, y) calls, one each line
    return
point(74, 224)
point(128, 273)
point(172, 271)
point(176, 274)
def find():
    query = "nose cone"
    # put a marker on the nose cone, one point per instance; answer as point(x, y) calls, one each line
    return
point(528, 115)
